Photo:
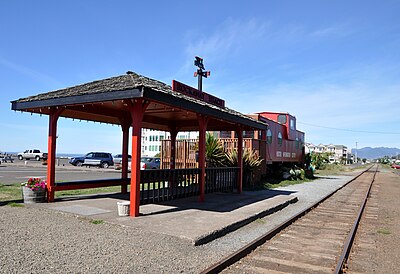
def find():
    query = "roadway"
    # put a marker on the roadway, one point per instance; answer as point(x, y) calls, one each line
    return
point(20, 171)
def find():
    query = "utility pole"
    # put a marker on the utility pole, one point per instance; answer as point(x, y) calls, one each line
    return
point(356, 153)
point(198, 62)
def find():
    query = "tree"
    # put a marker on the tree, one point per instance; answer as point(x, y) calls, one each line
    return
point(319, 160)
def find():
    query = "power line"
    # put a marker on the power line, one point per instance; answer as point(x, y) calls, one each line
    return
point(351, 130)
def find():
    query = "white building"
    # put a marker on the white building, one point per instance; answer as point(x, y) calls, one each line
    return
point(339, 153)
point(151, 140)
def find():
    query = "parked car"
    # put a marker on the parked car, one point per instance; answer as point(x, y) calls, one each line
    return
point(396, 166)
point(148, 163)
point(118, 158)
point(32, 154)
point(100, 159)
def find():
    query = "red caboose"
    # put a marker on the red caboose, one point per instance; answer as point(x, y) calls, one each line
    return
point(281, 143)
point(284, 143)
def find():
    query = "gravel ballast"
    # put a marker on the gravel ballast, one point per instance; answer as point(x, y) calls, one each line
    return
point(39, 240)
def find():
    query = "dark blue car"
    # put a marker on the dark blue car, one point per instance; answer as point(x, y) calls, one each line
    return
point(100, 159)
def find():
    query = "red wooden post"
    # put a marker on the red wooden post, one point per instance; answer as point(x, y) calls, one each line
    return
point(172, 162)
point(137, 109)
point(51, 153)
point(125, 140)
point(203, 120)
point(239, 132)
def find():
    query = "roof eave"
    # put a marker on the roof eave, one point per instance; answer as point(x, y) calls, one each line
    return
point(77, 99)
point(202, 109)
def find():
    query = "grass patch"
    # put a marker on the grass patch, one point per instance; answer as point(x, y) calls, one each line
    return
point(384, 231)
point(14, 204)
point(260, 221)
point(275, 184)
point(10, 193)
point(332, 169)
point(89, 191)
point(272, 185)
point(97, 222)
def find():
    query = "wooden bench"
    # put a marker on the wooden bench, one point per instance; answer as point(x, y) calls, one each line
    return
point(7, 159)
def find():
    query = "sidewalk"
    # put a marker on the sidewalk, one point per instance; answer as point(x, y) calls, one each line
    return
point(185, 218)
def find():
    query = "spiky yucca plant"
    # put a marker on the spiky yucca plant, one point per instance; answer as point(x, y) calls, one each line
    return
point(232, 158)
point(214, 152)
point(251, 161)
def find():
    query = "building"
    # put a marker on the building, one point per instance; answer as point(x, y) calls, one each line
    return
point(338, 153)
point(152, 139)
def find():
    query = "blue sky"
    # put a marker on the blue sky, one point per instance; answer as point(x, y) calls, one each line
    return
point(335, 65)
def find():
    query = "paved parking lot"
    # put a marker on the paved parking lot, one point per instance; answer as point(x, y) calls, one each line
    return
point(19, 171)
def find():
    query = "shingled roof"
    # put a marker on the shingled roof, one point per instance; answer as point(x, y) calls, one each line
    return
point(127, 86)
point(118, 83)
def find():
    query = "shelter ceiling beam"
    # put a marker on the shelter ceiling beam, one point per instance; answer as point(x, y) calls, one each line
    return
point(103, 111)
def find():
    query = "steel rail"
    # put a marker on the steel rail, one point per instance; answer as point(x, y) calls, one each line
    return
point(342, 263)
point(242, 252)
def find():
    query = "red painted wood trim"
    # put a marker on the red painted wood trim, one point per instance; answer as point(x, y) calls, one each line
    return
point(239, 132)
point(83, 185)
point(173, 134)
point(137, 109)
point(125, 148)
point(51, 152)
point(203, 120)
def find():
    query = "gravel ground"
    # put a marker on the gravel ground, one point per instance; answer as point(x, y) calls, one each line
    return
point(63, 243)
point(44, 241)
point(307, 193)
point(377, 245)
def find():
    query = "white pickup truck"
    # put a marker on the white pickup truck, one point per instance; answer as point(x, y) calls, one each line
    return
point(32, 154)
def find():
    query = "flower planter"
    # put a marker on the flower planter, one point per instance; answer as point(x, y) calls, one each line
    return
point(32, 197)
point(123, 208)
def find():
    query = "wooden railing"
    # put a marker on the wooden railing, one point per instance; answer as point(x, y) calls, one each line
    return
point(168, 184)
point(157, 185)
point(221, 179)
point(185, 156)
point(232, 144)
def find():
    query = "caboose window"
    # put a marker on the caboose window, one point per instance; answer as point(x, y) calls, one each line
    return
point(297, 143)
point(279, 138)
point(292, 126)
point(269, 136)
point(282, 118)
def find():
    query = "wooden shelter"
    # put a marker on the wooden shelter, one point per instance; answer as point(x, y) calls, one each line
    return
point(136, 101)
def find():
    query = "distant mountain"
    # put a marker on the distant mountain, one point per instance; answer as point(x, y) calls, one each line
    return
point(375, 152)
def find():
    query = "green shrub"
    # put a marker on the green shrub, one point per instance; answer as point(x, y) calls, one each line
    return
point(251, 161)
point(215, 155)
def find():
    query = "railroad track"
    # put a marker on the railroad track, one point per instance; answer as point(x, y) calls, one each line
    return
point(317, 240)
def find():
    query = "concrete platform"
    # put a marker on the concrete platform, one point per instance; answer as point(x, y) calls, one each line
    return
point(187, 218)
